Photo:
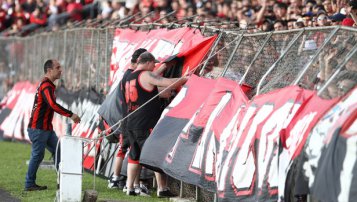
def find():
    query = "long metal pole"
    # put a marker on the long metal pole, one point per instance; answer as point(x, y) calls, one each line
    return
point(211, 53)
point(241, 36)
point(309, 64)
point(256, 57)
point(339, 68)
point(278, 60)
point(106, 60)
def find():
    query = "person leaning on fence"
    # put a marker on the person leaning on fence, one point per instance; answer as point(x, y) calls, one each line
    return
point(40, 129)
point(117, 181)
point(142, 86)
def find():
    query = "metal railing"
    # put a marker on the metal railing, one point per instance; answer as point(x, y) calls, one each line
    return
point(265, 61)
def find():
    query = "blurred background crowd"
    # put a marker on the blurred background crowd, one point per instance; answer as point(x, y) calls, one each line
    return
point(20, 17)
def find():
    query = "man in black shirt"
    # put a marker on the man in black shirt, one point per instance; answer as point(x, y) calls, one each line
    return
point(114, 182)
point(140, 87)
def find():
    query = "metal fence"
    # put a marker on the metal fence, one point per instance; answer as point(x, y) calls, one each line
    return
point(265, 61)
point(322, 59)
point(83, 53)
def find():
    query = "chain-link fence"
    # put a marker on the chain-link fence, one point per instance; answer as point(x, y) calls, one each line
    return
point(83, 53)
point(322, 59)
point(264, 61)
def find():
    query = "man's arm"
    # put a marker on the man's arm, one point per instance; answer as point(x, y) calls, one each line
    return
point(49, 99)
point(161, 69)
point(156, 80)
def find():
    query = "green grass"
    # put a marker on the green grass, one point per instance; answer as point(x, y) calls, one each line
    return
point(13, 168)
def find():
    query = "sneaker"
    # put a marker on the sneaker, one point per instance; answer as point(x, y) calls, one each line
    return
point(113, 184)
point(122, 184)
point(131, 193)
point(166, 193)
point(137, 190)
point(125, 189)
point(35, 188)
point(142, 191)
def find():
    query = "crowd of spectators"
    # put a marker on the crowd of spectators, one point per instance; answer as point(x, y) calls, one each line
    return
point(259, 15)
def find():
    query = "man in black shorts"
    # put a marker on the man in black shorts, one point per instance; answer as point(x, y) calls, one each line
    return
point(140, 87)
point(116, 180)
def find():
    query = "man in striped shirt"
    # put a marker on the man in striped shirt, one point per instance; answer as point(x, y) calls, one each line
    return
point(40, 129)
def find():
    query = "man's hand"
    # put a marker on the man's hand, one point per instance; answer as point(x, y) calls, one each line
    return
point(75, 118)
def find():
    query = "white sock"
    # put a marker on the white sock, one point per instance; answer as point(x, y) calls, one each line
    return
point(115, 177)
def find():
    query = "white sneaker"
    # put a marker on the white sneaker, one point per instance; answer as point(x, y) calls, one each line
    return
point(125, 189)
point(142, 190)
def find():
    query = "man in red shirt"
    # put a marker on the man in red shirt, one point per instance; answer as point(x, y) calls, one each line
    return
point(40, 129)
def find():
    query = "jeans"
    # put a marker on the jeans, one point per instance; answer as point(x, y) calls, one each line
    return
point(40, 139)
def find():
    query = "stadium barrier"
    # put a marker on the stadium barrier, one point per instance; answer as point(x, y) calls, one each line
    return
point(267, 62)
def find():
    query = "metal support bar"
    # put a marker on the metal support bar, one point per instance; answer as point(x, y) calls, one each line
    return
point(90, 59)
point(241, 36)
point(339, 68)
point(98, 61)
point(142, 17)
point(110, 157)
point(197, 193)
point(64, 50)
point(127, 19)
point(278, 60)
point(309, 64)
point(106, 58)
point(81, 60)
point(256, 57)
point(181, 189)
point(211, 53)
point(169, 14)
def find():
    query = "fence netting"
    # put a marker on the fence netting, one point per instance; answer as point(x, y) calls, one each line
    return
point(322, 59)
point(264, 61)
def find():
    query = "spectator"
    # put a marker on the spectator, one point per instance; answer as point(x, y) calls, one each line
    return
point(346, 81)
point(75, 10)
point(29, 6)
point(337, 19)
point(38, 17)
point(322, 19)
point(351, 11)
point(279, 25)
point(2, 19)
point(291, 24)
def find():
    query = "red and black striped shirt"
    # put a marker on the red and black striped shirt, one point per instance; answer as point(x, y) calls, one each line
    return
point(45, 105)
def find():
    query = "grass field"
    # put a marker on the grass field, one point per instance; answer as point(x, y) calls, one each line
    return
point(13, 157)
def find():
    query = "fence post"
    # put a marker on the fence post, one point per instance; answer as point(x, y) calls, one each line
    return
point(339, 68)
point(106, 59)
point(64, 49)
point(211, 53)
point(233, 53)
point(278, 60)
point(256, 57)
point(308, 65)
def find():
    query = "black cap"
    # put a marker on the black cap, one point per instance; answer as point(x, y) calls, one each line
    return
point(136, 54)
point(338, 17)
point(353, 4)
point(147, 57)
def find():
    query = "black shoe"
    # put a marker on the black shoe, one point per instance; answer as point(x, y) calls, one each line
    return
point(112, 184)
point(165, 194)
point(131, 193)
point(121, 184)
point(35, 188)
